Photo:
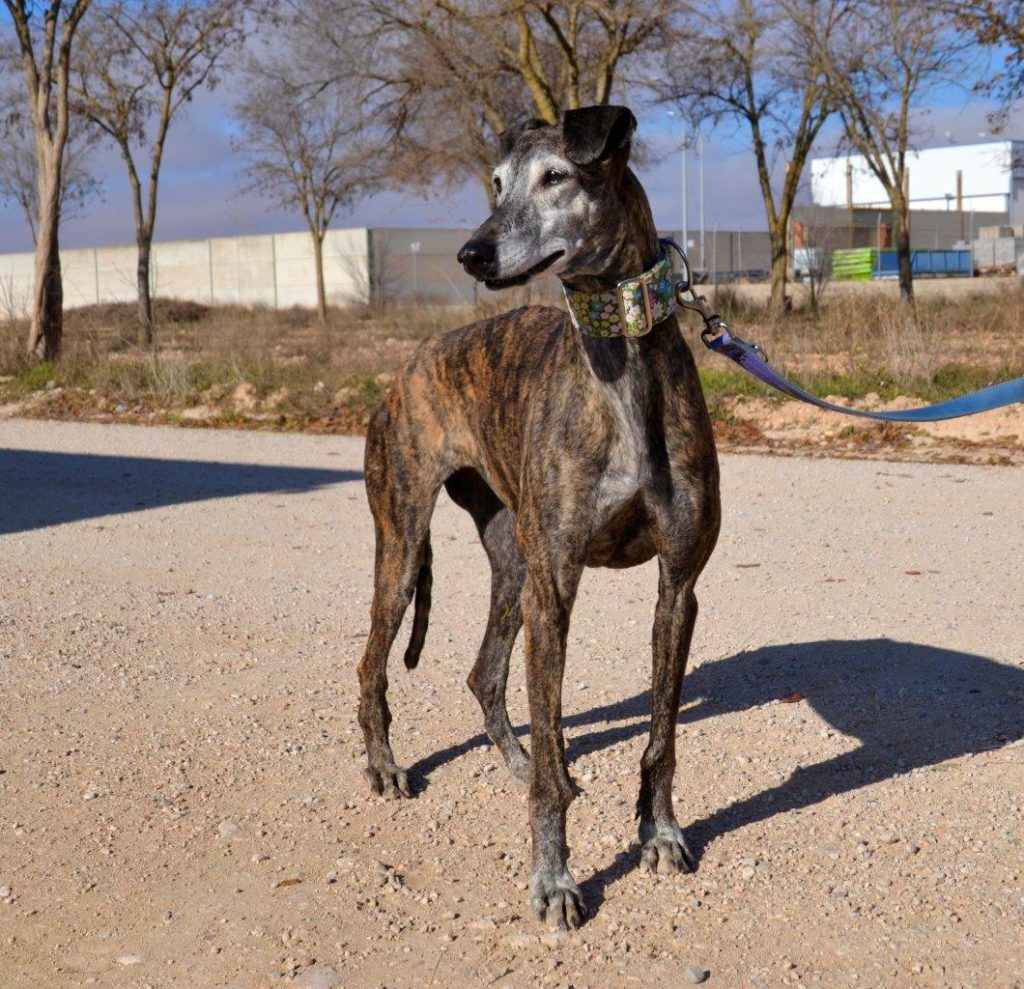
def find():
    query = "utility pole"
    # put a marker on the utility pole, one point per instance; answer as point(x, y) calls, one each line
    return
point(849, 201)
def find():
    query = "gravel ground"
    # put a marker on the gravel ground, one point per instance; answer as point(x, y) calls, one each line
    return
point(181, 800)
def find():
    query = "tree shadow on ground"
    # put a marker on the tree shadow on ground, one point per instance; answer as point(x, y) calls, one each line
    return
point(909, 705)
point(40, 488)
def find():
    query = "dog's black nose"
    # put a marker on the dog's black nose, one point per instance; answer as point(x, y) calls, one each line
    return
point(476, 256)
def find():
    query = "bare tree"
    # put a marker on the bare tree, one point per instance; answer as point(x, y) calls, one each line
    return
point(446, 76)
point(879, 69)
point(45, 36)
point(999, 24)
point(19, 181)
point(816, 234)
point(748, 61)
point(140, 63)
point(307, 146)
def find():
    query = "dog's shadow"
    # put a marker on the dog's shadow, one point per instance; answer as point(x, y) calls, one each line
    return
point(908, 705)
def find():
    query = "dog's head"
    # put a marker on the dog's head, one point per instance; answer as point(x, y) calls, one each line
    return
point(558, 198)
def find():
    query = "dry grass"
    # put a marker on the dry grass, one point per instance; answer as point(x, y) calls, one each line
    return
point(864, 340)
point(295, 373)
point(306, 370)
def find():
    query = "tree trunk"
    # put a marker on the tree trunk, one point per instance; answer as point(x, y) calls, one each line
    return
point(780, 263)
point(46, 83)
point(321, 291)
point(901, 238)
point(47, 327)
point(146, 334)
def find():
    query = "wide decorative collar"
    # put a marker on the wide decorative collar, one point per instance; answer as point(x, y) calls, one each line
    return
point(631, 309)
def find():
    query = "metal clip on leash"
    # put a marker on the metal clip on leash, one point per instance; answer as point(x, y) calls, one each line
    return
point(714, 325)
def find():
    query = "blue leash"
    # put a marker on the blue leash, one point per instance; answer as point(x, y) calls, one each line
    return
point(754, 361)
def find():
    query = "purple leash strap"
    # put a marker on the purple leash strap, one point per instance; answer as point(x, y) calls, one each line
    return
point(754, 361)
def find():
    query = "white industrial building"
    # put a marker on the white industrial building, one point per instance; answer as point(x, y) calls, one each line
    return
point(967, 178)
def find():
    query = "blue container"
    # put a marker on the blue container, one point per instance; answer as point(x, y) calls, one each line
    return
point(926, 263)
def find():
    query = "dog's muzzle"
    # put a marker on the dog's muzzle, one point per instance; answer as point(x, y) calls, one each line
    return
point(478, 257)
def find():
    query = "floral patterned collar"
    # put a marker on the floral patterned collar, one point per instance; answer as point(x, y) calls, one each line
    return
point(632, 309)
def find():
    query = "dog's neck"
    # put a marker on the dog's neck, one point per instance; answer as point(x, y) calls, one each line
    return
point(634, 290)
point(632, 241)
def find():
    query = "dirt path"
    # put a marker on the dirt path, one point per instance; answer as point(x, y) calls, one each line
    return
point(181, 801)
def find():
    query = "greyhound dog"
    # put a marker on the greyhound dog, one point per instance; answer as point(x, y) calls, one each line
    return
point(573, 440)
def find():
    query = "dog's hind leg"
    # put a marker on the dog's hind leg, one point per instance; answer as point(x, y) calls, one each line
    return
point(664, 849)
point(398, 566)
point(402, 501)
point(489, 675)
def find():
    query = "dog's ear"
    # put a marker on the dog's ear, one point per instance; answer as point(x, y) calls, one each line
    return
point(507, 138)
point(595, 133)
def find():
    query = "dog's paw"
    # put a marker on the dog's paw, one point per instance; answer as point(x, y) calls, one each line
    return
point(667, 853)
point(557, 901)
point(391, 783)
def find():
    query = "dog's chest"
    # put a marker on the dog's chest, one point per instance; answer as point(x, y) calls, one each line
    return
point(628, 464)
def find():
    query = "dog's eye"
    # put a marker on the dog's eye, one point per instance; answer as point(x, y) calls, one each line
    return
point(497, 185)
point(552, 176)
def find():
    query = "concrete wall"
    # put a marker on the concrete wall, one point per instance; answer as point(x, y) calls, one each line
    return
point(360, 264)
point(273, 269)
point(407, 265)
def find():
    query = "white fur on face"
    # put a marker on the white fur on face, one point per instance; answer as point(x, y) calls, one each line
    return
point(543, 220)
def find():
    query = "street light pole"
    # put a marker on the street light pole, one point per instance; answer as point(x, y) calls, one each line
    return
point(686, 212)
point(700, 151)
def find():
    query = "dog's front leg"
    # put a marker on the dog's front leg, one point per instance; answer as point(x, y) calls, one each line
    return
point(664, 848)
point(547, 603)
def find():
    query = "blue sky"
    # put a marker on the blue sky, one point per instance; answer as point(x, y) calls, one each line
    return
point(201, 181)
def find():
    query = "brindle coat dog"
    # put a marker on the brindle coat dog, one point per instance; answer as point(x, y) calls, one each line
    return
point(568, 451)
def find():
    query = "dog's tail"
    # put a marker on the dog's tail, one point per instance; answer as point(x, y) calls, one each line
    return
point(421, 612)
